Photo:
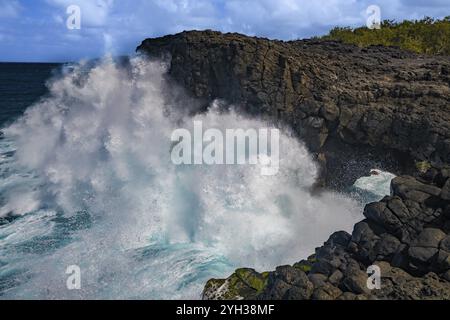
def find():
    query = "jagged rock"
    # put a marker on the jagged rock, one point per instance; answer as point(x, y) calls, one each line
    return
point(277, 289)
point(445, 194)
point(287, 283)
point(387, 246)
point(442, 261)
point(364, 239)
point(336, 277)
point(291, 275)
point(356, 282)
point(298, 293)
point(446, 275)
point(425, 246)
point(422, 254)
point(406, 287)
point(322, 267)
point(318, 279)
point(379, 213)
point(410, 188)
point(399, 208)
point(326, 292)
point(429, 238)
point(340, 238)
point(445, 244)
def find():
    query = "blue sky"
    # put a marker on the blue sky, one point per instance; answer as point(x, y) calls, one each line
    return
point(35, 30)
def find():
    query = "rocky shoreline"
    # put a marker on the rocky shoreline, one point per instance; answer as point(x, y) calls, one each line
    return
point(407, 235)
point(355, 109)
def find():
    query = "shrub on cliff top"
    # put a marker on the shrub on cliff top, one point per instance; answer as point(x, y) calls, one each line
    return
point(429, 36)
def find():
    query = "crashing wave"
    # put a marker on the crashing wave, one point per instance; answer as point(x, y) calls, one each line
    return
point(88, 168)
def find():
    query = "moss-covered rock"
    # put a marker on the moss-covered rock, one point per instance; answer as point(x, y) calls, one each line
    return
point(252, 279)
point(244, 283)
point(306, 265)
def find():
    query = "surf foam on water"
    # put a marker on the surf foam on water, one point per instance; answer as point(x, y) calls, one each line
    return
point(374, 186)
point(89, 170)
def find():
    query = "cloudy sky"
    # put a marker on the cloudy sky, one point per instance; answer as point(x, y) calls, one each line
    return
point(36, 30)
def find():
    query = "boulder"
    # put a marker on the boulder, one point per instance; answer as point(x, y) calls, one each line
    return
point(429, 238)
point(356, 282)
point(445, 243)
point(387, 246)
point(422, 254)
point(326, 292)
point(445, 194)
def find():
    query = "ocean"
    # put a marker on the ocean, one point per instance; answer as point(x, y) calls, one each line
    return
point(22, 84)
point(86, 180)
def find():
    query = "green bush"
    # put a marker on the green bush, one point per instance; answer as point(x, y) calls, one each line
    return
point(429, 36)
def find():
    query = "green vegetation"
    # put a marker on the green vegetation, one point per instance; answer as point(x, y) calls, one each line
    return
point(429, 36)
point(252, 279)
point(306, 265)
point(423, 166)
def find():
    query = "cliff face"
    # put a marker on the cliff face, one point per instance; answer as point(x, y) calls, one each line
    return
point(374, 104)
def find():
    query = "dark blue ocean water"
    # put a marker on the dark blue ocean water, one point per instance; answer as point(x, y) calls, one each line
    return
point(22, 84)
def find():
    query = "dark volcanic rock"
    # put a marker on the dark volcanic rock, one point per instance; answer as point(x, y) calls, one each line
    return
point(7, 219)
point(3, 221)
point(348, 103)
point(405, 235)
point(287, 283)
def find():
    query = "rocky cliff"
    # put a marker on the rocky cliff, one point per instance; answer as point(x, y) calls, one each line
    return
point(351, 106)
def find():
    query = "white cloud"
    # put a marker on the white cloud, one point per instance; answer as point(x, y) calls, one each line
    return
point(286, 17)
